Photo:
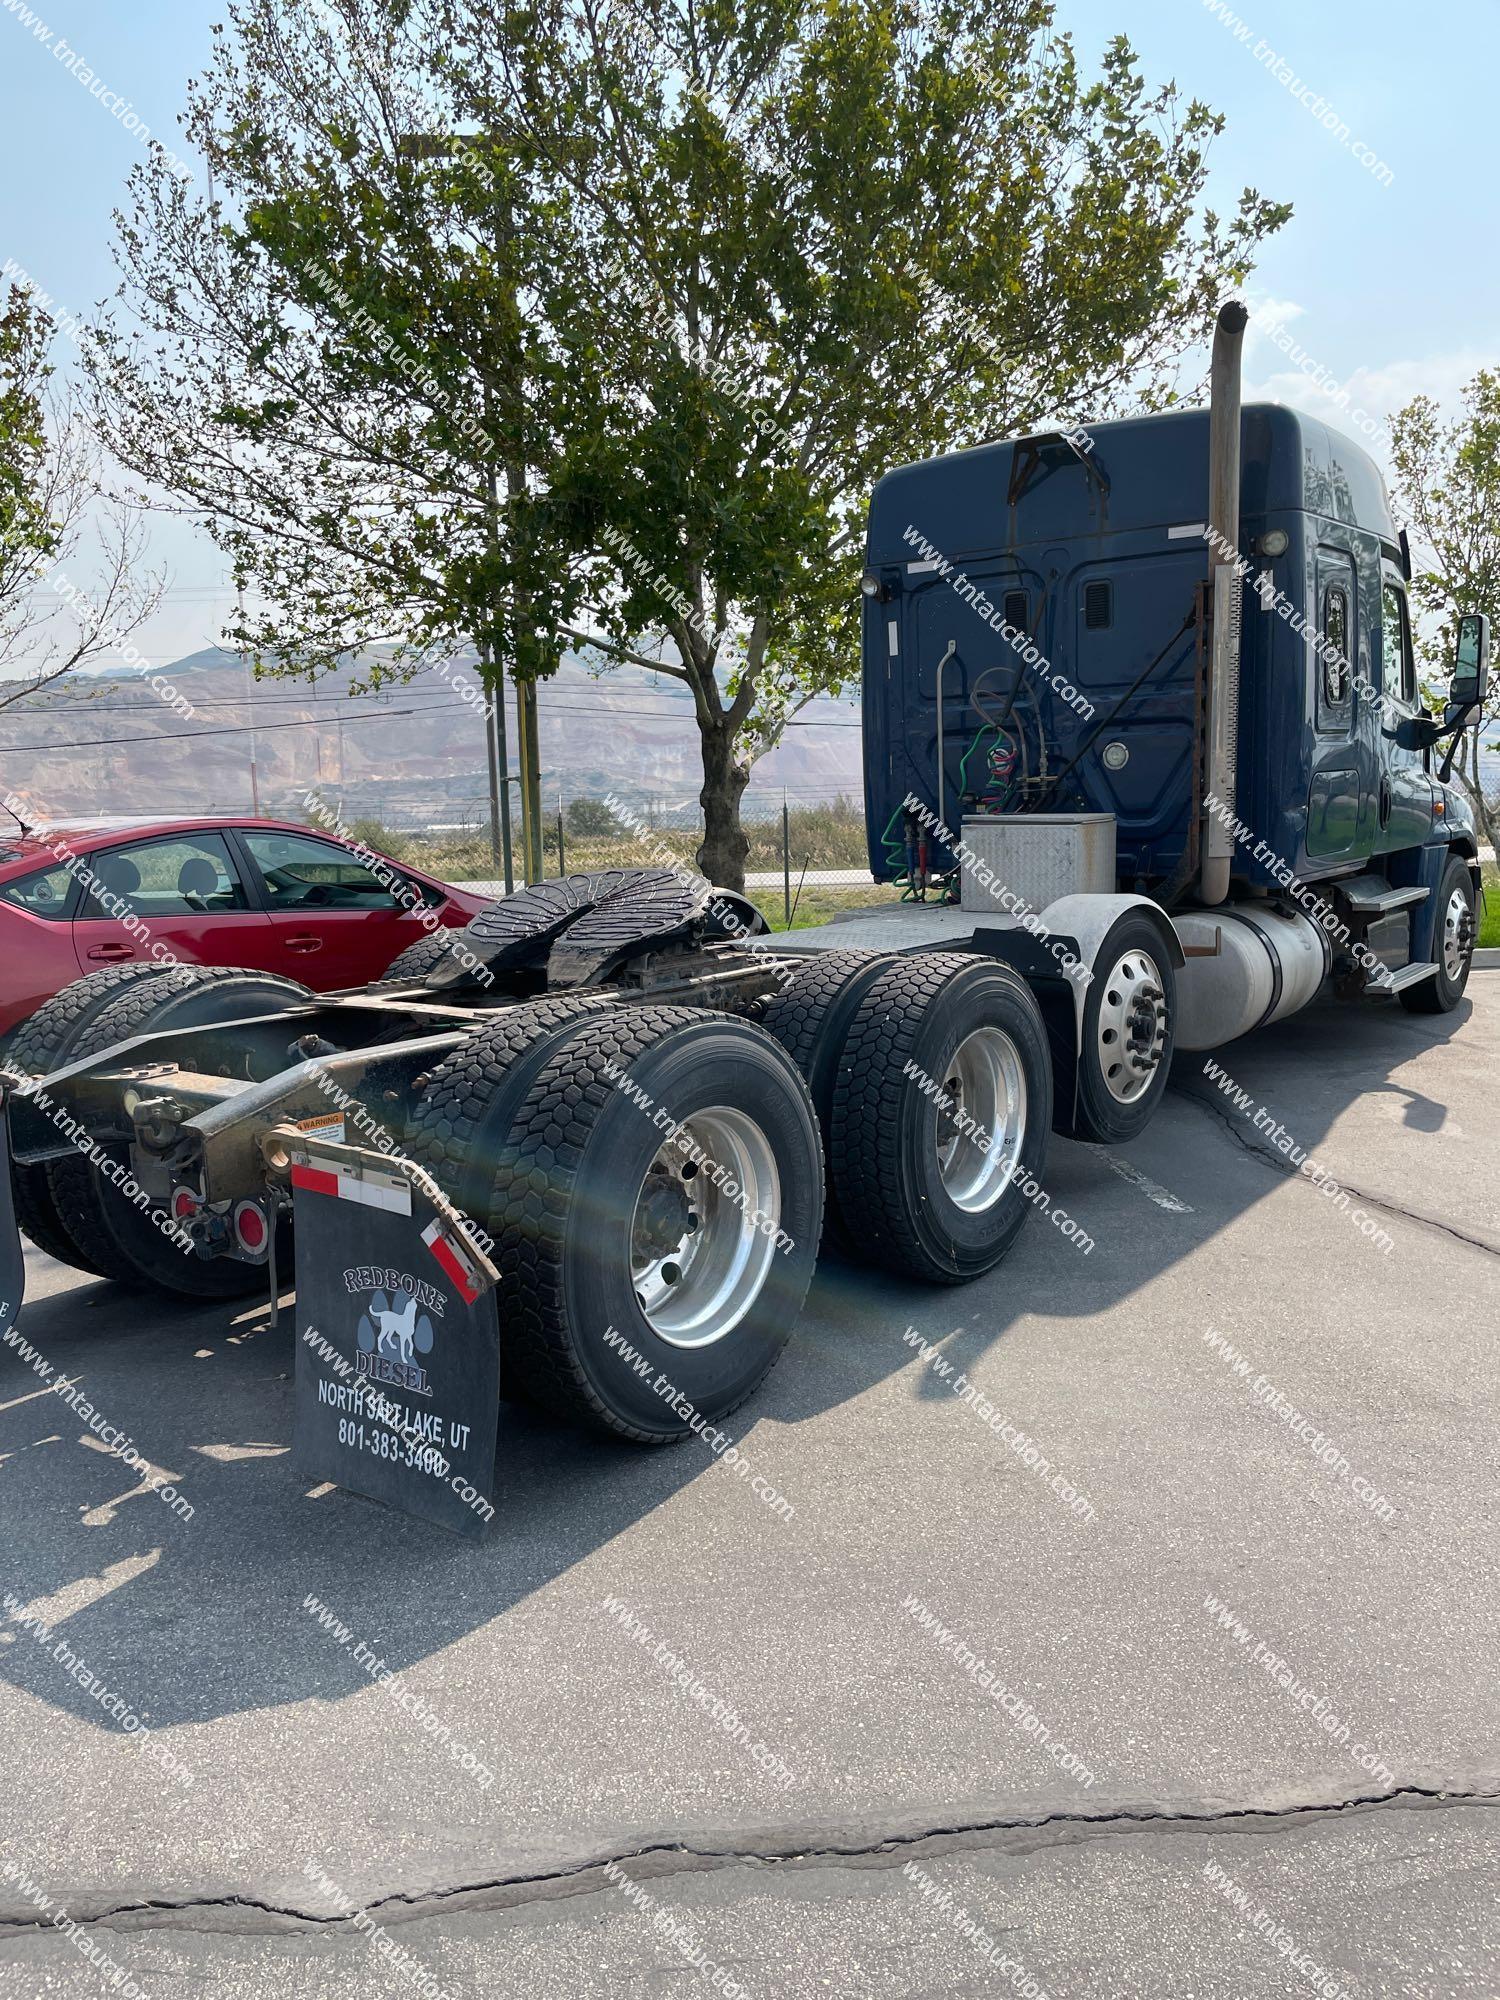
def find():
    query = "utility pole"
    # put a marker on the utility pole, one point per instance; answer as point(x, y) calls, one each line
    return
point(440, 145)
point(513, 391)
point(249, 713)
point(498, 753)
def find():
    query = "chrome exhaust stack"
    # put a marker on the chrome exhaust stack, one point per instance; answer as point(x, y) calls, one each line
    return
point(1222, 726)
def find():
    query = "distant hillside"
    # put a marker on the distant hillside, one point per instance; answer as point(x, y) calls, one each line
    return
point(411, 756)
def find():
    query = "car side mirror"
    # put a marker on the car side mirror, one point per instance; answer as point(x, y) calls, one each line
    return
point(1471, 661)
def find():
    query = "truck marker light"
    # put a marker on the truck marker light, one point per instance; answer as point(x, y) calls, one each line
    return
point(184, 1204)
point(892, 636)
point(250, 1226)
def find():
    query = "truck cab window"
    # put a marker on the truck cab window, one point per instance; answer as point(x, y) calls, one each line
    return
point(1398, 676)
point(1337, 670)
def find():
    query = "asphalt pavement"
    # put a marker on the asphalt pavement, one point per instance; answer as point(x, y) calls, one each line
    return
point(1147, 1674)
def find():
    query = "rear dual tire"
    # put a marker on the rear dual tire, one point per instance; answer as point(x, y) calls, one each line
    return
point(941, 1108)
point(66, 1205)
point(640, 1294)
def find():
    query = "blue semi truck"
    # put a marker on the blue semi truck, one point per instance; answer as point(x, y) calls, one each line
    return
point(1166, 665)
point(1144, 746)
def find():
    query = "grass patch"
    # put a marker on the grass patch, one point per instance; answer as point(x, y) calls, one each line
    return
point(827, 836)
point(1489, 915)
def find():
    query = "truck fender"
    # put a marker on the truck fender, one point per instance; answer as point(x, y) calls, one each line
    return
point(1090, 918)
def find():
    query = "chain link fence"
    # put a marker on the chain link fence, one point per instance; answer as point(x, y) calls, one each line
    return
point(807, 862)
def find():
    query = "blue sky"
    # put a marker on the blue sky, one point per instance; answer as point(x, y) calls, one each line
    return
point(1393, 289)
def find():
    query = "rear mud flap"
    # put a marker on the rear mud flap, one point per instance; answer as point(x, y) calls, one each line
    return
point(398, 1338)
point(12, 1257)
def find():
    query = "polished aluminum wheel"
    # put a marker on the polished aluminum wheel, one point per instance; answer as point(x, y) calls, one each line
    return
point(1458, 935)
point(702, 1235)
point(983, 1121)
point(1132, 1032)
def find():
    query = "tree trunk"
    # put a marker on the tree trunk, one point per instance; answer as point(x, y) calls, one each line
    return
point(722, 855)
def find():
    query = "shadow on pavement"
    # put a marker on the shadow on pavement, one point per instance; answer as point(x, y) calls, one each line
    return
point(202, 1618)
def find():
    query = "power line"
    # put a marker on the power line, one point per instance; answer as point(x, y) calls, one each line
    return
point(324, 721)
point(197, 735)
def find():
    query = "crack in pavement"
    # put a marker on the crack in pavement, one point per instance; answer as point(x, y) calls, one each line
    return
point(246, 1914)
point(1286, 1171)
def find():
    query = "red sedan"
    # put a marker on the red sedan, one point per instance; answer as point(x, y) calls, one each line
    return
point(261, 893)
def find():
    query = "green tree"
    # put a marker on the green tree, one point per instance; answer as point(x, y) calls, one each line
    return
point(591, 819)
point(1447, 488)
point(816, 242)
point(620, 366)
point(51, 494)
point(345, 364)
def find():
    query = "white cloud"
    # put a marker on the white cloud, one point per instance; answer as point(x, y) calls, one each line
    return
point(1360, 403)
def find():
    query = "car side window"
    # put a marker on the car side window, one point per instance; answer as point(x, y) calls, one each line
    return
point(44, 894)
point(1398, 676)
point(304, 873)
point(183, 875)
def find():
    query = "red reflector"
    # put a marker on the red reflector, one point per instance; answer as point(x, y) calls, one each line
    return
point(250, 1226)
point(184, 1204)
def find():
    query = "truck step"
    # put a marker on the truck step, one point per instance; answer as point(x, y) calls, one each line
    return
point(1409, 975)
point(1371, 895)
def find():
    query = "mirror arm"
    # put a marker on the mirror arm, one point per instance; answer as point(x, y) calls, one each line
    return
point(1456, 720)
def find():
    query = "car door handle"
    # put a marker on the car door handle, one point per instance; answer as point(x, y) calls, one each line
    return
point(304, 943)
point(112, 951)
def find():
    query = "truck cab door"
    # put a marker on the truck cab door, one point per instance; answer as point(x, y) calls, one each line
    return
point(1404, 798)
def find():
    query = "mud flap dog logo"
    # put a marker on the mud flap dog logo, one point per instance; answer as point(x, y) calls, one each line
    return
point(394, 1328)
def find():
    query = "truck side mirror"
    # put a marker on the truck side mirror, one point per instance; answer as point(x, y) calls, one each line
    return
point(1471, 661)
